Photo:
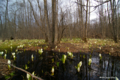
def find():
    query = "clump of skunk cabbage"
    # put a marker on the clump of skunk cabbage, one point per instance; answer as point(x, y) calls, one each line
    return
point(13, 55)
point(100, 56)
point(90, 61)
point(40, 51)
point(28, 76)
point(9, 62)
point(52, 70)
point(64, 57)
point(32, 57)
point(5, 56)
point(26, 67)
point(70, 54)
point(1, 53)
point(78, 66)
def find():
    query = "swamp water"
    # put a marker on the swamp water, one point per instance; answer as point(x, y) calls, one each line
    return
point(108, 67)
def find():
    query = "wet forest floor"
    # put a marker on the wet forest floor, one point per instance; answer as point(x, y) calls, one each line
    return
point(103, 46)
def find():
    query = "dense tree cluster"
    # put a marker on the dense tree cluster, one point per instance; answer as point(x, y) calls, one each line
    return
point(44, 19)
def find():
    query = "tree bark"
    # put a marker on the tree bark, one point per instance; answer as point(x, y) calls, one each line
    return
point(86, 22)
point(114, 26)
point(47, 23)
point(54, 23)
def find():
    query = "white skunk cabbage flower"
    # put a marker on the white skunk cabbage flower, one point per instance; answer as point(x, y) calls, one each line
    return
point(14, 57)
point(32, 57)
point(52, 70)
point(90, 61)
point(99, 55)
point(28, 76)
point(64, 58)
point(78, 69)
point(9, 62)
point(33, 73)
point(26, 67)
point(13, 54)
point(5, 56)
point(116, 78)
point(70, 54)
point(1, 53)
point(79, 66)
point(40, 51)
point(100, 48)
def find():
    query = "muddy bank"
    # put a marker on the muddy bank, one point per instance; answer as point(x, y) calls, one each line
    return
point(79, 47)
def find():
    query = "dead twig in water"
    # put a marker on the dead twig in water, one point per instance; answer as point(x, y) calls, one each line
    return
point(23, 71)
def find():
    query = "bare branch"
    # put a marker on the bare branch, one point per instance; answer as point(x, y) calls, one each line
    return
point(35, 16)
point(23, 71)
point(93, 6)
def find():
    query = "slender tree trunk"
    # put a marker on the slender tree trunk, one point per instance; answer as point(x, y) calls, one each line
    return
point(86, 22)
point(61, 26)
point(89, 15)
point(47, 23)
point(42, 19)
point(15, 25)
point(5, 36)
point(56, 23)
point(113, 9)
point(82, 24)
point(1, 28)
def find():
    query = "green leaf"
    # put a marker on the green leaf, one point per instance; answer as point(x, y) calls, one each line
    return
point(7, 77)
point(76, 67)
point(83, 56)
point(57, 64)
point(12, 73)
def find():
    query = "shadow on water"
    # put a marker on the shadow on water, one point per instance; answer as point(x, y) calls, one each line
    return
point(42, 64)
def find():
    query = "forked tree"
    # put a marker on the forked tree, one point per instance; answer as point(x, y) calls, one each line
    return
point(51, 32)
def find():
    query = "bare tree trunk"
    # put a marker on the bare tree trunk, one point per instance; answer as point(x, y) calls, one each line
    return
point(56, 23)
point(101, 18)
point(42, 19)
point(118, 26)
point(79, 19)
point(109, 23)
point(61, 26)
point(82, 24)
point(113, 10)
point(1, 28)
point(47, 23)
point(5, 36)
point(89, 15)
point(86, 22)
point(15, 25)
